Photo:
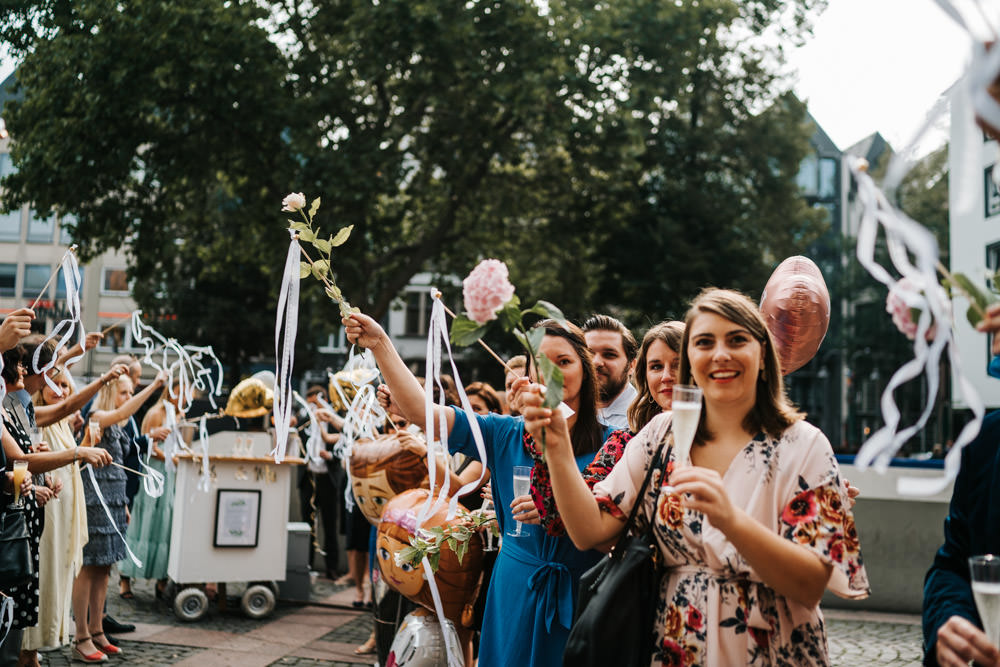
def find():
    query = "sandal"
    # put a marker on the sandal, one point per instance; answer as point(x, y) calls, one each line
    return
point(90, 658)
point(125, 589)
point(367, 648)
point(127, 595)
point(108, 648)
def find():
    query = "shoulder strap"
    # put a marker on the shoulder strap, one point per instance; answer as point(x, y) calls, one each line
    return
point(654, 464)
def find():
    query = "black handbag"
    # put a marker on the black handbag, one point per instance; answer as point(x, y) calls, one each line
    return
point(16, 566)
point(616, 606)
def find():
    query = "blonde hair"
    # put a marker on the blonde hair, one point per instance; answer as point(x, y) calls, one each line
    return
point(38, 398)
point(772, 411)
point(105, 399)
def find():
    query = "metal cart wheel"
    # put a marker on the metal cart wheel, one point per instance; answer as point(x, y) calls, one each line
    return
point(190, 604)
point(258, 601)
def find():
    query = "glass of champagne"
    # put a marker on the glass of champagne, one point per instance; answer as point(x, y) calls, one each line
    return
point(35, 434)
point(686, 412)
point(95, 431)
point(522, 486)
point(20, 472)
point(985, 571)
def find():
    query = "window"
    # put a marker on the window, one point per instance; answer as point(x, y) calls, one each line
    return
point(114, 281)
point(8, 279)
point(336, 343)
point(68, 221)
point(10, 226)
point(808, 176)
point(415, 323)
point(827, 178)
point(35, 278)
point(992, 203)
point(41, 230)
point(61, 284)
point(114, 339)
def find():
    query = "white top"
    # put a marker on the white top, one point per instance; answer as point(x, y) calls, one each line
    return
point(616, 414)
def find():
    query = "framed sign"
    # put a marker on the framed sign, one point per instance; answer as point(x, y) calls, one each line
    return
point(237, 518)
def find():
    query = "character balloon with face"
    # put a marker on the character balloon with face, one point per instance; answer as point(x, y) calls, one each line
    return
point(381, 469)
point(457, 582)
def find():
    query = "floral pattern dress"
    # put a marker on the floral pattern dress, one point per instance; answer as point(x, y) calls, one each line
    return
point(713, 608)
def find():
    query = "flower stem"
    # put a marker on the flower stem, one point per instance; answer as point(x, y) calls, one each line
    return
point(951, 281)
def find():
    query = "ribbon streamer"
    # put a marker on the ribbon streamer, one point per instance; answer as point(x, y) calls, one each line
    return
point(71, 280)
point(285, 328)
point(205, 483)
point(100, 497)
point(6, 615)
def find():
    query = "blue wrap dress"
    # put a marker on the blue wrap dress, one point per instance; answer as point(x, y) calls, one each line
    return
point(532, 593)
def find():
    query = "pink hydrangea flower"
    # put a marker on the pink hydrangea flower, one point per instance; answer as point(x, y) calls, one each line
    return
point(905, 316)
point(294, 202)
point(486, 290)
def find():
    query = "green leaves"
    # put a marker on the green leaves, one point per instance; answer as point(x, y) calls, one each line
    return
point(546, 309)
point(304, 270)
point(314, 208)
point(978, 300)
point(553, 379)
point(456, 537)
point(510, 315)
point(341, 236)
point(465, 331)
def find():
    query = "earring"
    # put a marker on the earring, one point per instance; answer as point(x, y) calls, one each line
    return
point(652, 400)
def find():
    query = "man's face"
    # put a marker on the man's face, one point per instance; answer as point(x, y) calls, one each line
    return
point(612, 367)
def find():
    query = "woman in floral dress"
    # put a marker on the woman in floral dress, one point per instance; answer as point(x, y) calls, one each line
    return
point(755, 529)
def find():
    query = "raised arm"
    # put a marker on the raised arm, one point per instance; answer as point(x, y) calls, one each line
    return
point(46, 415)
point(406, 391)
point(42, 462)
point(586, 524)
point(15, 326)
point(128, 408)
point(90, 341)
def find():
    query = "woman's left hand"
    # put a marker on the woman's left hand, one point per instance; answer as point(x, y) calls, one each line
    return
point(701, 490)
point(42, 495)
point(523, 509)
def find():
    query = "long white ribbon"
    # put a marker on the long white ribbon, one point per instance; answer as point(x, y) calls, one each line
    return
point(285, 328)
point(71, 281)
point(205, 483)
point(100, 497)
point(153, 482)
point(6, 615)
point(436, 334)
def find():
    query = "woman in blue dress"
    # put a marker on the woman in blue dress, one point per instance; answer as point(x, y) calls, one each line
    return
point(532, 594)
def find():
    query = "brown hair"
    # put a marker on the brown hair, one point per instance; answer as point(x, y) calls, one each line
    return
point(772, 412)
point(587, 434)
point(608, 323)
point(404, 470)
point(457, 582)
point(643, 407)
point(487, 393)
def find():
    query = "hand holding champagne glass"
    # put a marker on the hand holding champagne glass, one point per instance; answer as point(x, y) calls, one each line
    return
point(95, 431)
point(522, 486)
point(35, 434)
point(20, 472)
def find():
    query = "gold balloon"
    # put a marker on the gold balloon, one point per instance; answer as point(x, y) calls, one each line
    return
point(250, 398)
point(796, 306)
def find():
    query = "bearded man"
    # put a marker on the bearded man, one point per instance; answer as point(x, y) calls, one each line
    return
point(614, 350)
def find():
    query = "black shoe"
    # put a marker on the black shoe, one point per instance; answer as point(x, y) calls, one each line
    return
point(111, 625)
point(111, 640)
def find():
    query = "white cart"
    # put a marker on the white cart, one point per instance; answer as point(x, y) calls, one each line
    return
point(234, 532)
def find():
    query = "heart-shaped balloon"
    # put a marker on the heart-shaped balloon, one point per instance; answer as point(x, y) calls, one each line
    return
point(796, 306)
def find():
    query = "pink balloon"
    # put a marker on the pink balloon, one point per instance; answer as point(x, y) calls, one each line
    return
point(796, 307)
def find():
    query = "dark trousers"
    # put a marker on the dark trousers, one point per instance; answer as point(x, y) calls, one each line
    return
point(327, 498)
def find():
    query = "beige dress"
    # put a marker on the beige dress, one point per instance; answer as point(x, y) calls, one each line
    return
point(61, 548)
point(713, 608)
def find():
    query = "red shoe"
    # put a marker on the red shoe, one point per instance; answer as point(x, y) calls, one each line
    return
point(110, 649)
point(80, 656)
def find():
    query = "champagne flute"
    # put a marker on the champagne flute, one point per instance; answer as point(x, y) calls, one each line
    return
point(686, 413)
point(985, 571)
point(20, 472)
point(522, 486)
point(95, 431)
point(35, 434)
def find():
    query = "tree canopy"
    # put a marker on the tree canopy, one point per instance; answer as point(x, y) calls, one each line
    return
point(617, 155)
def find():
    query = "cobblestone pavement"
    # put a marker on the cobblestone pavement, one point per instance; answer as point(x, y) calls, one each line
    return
point(327, 633)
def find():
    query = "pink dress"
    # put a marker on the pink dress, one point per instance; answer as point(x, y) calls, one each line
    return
point(713, 608)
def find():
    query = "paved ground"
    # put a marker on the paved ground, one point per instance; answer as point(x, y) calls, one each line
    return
point(302, 635)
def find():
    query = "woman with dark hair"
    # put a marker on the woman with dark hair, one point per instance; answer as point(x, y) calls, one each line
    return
point(484, 398)
point(752, 530)
point(532, 593)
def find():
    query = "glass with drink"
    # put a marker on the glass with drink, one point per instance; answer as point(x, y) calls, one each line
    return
point(985, 571)
point(522, 486)
point(20, 472)
point(35, 434)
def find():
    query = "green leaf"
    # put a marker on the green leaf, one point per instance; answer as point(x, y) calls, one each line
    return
point(434, 559)
point(334, 293)
point(546, 309)
point(409, 555)
point(307, 235)
point(466, 332)
point(320, 268)
point(510, 315)
point(341, 236)
point(297, 225)
point(322, 245)
point(535, 337)
point(520, 338)
point(304, 270)
point(460, 550)
point(553, 379)
point(975, 296)
point(314, 207)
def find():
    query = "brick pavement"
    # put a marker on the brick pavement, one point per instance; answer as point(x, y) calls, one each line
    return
point(304, 636)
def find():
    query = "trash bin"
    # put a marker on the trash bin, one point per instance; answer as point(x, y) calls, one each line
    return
point(297, 583)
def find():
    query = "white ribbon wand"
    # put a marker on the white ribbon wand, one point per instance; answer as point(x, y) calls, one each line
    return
point(71, 280)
